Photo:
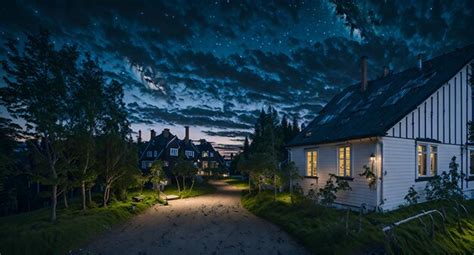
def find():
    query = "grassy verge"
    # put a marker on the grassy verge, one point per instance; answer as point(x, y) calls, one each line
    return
point(323, 230)
point(33, 233)
point(199, 189)
point(236, 182)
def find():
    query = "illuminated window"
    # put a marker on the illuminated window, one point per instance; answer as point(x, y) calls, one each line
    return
point(311, 163)
point(205, 154)
point(423, 150)
point(205, 164)
point(344, 161)
point(433, 160)
point(174, 152)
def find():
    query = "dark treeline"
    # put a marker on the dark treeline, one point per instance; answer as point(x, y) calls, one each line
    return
point(265, 160)
point(73, 134)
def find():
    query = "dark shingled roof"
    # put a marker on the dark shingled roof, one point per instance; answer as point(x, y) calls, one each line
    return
point(354, 114)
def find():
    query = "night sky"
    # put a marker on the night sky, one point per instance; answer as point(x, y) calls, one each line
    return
point(213, 64)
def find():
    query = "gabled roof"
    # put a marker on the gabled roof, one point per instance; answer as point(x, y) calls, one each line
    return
point(158, 143)
point(207, 146)
point(355, 114)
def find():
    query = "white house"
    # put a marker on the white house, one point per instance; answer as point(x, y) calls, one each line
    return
point(406, 127)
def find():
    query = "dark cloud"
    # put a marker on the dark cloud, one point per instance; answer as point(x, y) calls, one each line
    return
point(216, 64)
point(227, 133)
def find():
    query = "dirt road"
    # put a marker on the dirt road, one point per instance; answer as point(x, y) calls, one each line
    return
point(209, 224)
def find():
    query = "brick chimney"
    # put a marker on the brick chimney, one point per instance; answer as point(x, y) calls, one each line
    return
point(166, 132)
point(386, 71)
point(363, 73)
point(420, 62)
point(186, 134)
point(152, 134)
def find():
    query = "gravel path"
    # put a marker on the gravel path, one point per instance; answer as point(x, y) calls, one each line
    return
point(209, 224)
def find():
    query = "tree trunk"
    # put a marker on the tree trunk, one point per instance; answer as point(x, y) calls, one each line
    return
point(177, 184)
point(83, 194)
point(250, 190)
point(66, 205)
point(90, 195)
point(184, 183)
point(54, 202)
point(192, 185)
point(274, 188)
point(105, 197)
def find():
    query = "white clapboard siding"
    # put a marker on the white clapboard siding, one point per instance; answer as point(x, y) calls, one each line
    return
point(400, 168)
point(327, 163)
point(443, 116)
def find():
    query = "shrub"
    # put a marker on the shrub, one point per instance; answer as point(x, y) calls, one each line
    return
point(412, 196)
point(328, 193)
point(446, 186)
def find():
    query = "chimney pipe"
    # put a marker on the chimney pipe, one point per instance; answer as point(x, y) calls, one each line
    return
point(152, 134)
point(186, 136)
point(386, 71)
point(139, 140)
point(420, 61)
point(166, 132)
point(363, 71)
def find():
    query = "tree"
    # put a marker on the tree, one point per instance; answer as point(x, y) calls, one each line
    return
point(37, 89)
point(157, 174)
point(86, 111)
point(246, 150)
point(117, 158)
point(183, 168)
point(290, 173)
point(9, 133)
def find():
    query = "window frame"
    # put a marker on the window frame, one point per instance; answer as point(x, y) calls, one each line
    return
point(149, 154)
point(315, 171)
point(189, 153)
point(174, 150)
point(351, 162)
point(471, 165)
point(428, 153)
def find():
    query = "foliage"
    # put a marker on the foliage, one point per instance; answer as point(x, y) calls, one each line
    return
point(322, 231)
point(67, 106)
point(334, 184)
point(32, 233)
point(183, 168)
point(446, 185)
point(200, 188)
point(369, 174)
point(412, 196)
point(157, 173)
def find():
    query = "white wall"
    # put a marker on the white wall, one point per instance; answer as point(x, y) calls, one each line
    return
point(327, 163)
point(400, 168)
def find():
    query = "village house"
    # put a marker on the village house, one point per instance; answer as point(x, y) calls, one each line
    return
point(405, 127)
point(168, 147)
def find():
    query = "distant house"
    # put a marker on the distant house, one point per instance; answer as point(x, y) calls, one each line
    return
point(209, 157)
point(168, 147)
point(406, 127)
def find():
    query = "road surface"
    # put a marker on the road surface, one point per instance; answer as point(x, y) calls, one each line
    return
point(209, 224)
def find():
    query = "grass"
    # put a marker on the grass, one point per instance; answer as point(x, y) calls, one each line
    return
point(323, 230)
point(237, 182)
point(33, 233)
point(199, 189)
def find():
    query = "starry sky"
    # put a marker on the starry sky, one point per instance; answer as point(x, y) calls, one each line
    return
point(213, 64)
